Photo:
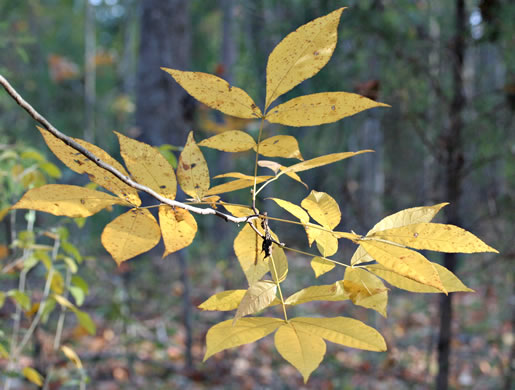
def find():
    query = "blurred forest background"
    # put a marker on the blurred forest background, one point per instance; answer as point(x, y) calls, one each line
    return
point(447, 68)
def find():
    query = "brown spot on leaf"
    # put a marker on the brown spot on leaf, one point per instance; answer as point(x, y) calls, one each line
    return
point(82, 201)
point(316, 53)
point(415, 235)
point(185, 166)
point(333, 108)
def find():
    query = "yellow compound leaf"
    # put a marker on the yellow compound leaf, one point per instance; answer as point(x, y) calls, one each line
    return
point(405, 262)
point(327, 243)
point(301, 55)
point(258, 296)
point(321, 266)
point(72, 355)
point(225, 335)
point(192, 170)
point(435, 237)
point(81, 164)
point(248, 249)
point(401, 218)
point(223, 301)
point(216, 93)
point(178, 228)
point(320, 161)
point(148, 166)
point(323, 209)
point(344, 331)
point(67, 200)
point(284, 146)
point(326, 292)
point(299, 347)
point(279, 265)
point(230, 141)
point(366, 290)
point(32, 375)
point(235, 185)
point(449, 280)
point(131, 234)
point(320, 108)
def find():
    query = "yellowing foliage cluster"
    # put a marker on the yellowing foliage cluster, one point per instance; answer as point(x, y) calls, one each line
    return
point(386, 253)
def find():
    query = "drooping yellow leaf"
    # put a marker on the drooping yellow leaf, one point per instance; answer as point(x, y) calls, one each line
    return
point(327, 243)
point(322, 208)
point(293, 209)
point(248, 249)
point(366, 290)
point(235, 185)
point(276, 167)
point(178, 228)
point(236, 175)
point(131, 234)
point(278, 264)
point(81, 164)
point(344, 331)
point(225, 335)
point(258, 296)
point(216, 93)
point(405, 262)
point(192, 170)
point(449, 280)
point(67, 200)
point(401, 218)
point(435, 237)
point(321, 266)
point(238, 211)
point(72, 355)
point(319, 108)
point(320, 161)
point(301, 55)
point(230, 141)
point(148, 166)
point(302, 349)
point(326, 292)
point(33, 375)
point(223, 301)
point(280, 146)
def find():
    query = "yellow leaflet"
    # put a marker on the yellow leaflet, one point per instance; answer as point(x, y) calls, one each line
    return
point(280, 146)
point(321, 266)
point(401, 218)
point(312, 232)
point(327, 292)
point(64, 302)
point(178, 228)
point(223, 301)
point(366, 290)
point(405, 262)
point(320, 108)
point(247, 246)
point(81, 164)
point(237, 184)
point(67, 200)
point(327, 243)
point(192, 170)
point(32, 375)
point(148, 166)
point(230, 141)
point(323, 209)
point(449, 280)
point(435, 237)
point(216, 93)
point(57, 283)
point(131, 234)
point(345, 331)
point(225, 335)
point(70, 354)
point(276, 167)
point(301, 55)
point(320, 161)
point(258, 296)
point(238, 211)
point(302, 349)
point(293, 209)
point(280, 262)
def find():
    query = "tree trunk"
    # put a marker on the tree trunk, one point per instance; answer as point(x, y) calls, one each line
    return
point(453, 166)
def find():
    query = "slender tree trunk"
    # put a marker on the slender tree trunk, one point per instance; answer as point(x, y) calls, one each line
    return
point(453, 166)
